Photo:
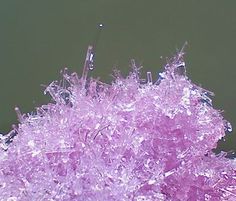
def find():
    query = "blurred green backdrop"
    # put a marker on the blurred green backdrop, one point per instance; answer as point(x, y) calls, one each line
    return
point(39, 38)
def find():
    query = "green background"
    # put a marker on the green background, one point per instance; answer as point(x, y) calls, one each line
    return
point(39, 38)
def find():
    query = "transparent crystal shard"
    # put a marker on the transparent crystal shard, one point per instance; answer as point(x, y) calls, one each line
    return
point(228, 126)
point(88, 63)
point(90, 55)
point(3, 144)
point(52, 90)
point(65, 96)
point(160, 77)
point(135, 69)
point(149, 78)
point(91, 61)
point(205, 99)
point(180, 69)
point(6, 139)
point(59, 94)
point(10, 136)
point(19, 115)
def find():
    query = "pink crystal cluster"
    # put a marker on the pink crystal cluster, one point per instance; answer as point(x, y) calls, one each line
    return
point(128, 141)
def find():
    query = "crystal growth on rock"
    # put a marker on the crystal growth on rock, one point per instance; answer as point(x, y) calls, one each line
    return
point(125, 141)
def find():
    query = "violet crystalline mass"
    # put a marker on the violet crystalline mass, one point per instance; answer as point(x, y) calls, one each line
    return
point(125, 141)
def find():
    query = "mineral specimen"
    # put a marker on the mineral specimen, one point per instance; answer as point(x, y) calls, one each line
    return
point(126, 141)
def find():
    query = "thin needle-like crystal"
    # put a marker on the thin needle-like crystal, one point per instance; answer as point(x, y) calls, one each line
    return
point(18, 114)
point(149, 77)
point(88, 63)
point(89, 60)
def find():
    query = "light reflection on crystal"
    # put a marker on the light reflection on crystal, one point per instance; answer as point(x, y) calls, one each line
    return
point(149, 78)
point(228, 127)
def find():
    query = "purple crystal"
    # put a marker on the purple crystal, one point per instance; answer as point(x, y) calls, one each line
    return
point(128, 141)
